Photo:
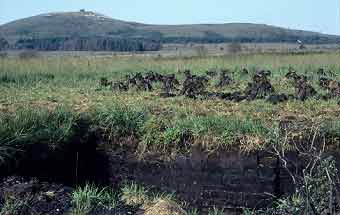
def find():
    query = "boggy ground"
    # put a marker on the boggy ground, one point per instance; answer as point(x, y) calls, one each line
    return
point(75, 82)
point(29, 196)
point(54, 109)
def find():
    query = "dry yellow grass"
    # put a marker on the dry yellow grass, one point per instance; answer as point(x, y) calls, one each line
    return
point(164, 207)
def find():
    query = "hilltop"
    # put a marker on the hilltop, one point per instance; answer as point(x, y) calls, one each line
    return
point(83, 29)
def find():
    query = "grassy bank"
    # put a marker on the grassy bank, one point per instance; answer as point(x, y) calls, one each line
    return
point(37, 89)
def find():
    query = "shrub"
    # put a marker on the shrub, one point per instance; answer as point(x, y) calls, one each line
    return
point(331, 128)
point(317, 194)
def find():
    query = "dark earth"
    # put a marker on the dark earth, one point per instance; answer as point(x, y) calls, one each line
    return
point(31, 197)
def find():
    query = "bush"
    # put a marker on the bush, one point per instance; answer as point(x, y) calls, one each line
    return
point(317, 194)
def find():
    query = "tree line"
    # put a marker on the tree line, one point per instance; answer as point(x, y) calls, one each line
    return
point(82, 44)
point(272, 39)
point(151, 43)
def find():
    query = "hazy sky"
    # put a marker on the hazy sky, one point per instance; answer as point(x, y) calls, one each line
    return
point(316, 15)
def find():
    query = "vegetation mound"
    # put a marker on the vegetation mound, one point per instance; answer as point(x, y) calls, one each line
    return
point(165, 207)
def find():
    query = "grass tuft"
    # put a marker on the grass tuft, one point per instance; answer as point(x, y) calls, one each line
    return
point(118, 121)
point(87, 198)
point(28, 126)
point(134, 194)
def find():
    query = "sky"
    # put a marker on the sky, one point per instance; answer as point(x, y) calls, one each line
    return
point(315, 15)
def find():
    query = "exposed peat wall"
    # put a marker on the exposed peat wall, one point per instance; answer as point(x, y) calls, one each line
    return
point(75, 163)
point(226, 179)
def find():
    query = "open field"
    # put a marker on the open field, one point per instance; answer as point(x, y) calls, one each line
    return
point(48, 102)
point(202, 50)
point(74, 82)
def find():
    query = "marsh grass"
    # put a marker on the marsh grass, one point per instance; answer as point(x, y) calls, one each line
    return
point(49, 82)
point(134, 194)
point(77, 71)
point(28, 126)
point(216, 211)
point(42, 99)
point(192, 211)
point(331, 128)
point(118, 121)
point(218, 131)
point(15, 206)
point(10, 208)
point(87, 198)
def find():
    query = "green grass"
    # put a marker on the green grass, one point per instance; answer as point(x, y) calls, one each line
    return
point(217, 131)
point(14, 206)
point(192, 211)
point(131, 194)
point(216, 211)
point(41, 99)
point(25, 127)
point(87, 198)
point(134, 194)
point(118, 121)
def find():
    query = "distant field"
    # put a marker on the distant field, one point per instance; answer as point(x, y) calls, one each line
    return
point(246, 48)
point(202, 50)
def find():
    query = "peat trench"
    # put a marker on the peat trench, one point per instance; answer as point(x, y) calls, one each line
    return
point(226, 179)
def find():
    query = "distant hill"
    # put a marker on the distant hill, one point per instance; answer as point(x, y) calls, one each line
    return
point(85, 30)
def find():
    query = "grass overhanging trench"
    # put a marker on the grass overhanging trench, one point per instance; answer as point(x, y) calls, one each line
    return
point(53, 130)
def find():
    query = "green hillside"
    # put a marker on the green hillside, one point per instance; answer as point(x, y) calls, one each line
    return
point(89, 25)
